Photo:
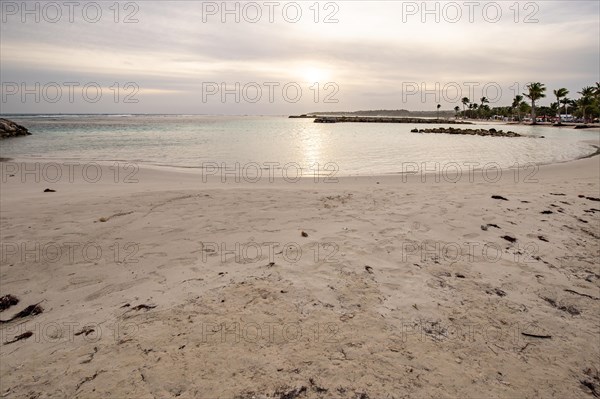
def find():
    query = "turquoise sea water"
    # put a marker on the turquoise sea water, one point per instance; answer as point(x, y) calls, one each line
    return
point(355, 148)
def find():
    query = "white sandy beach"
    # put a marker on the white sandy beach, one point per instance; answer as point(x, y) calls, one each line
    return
point(400, 288)
point(300, 200)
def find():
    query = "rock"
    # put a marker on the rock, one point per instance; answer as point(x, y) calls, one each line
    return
point(11, 129)
point(471, 132)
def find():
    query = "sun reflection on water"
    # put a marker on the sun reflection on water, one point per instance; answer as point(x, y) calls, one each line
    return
point(312, 145)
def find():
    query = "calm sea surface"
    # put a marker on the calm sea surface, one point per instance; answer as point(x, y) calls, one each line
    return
point(355, 148)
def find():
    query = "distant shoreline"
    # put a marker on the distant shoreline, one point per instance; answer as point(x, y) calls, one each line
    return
point(383, 119)
point(325, 118)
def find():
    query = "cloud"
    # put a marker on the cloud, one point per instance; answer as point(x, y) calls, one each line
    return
point(176, 47)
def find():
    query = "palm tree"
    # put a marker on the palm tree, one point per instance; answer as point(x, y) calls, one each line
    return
point(586, 100)
point(484, 101)
point(597, 97)
point(516, 102)
point(524, 107)
point(573, 104)
point(562, 92)
point(456, 111)
point(555, 107)
point(438, 110)
point(535, 92)
point(566, 101)
point(465, 101)
point(587, 91)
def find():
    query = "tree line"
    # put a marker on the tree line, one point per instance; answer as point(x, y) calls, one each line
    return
point(586, 107)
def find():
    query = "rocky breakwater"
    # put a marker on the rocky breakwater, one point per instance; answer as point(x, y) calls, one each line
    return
point(471, 132)
point(11, 129)
point(305, 116)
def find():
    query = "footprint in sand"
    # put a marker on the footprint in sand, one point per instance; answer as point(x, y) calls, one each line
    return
point(79, 282)
point(420, 227)
point(109, 289)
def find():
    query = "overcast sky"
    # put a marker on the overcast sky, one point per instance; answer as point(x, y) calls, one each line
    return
point(177, 57)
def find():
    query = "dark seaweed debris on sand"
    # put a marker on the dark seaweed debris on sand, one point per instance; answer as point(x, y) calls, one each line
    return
point(30, 310)
point(570, 309)
point(7, 301)
point(485, 227)
point(589, 198)
point(87, 330)
point(25, 335)
point(143, 307)
point(291, 394)
point(509, 238)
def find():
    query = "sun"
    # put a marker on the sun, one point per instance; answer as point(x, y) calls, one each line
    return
point(314, 75)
